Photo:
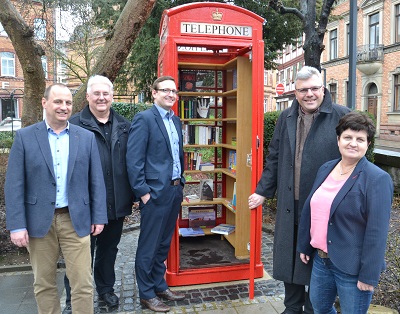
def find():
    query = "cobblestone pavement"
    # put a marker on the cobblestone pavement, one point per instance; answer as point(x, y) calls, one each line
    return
point(218, 298)
point(17, 297)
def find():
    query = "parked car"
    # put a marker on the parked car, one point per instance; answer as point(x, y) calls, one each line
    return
point(10, 124)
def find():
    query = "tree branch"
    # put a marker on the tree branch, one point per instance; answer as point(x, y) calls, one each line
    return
point(278, 6)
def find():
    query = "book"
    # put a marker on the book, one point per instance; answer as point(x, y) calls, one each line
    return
point(192, 198)
point(234, 196)
point(232, 161)
point(206, 166)
point(223, 229)
point(206, 189)
point(203, 107)
point(191, 232)
point(201, 217)
point(188, 81)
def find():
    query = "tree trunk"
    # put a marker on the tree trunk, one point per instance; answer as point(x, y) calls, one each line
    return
point(29, 55)
point(118, 44)
point(314, 30)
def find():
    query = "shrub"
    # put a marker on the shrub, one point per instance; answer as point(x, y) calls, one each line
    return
point(270, 119)
point(128, 110)
point(6, 140)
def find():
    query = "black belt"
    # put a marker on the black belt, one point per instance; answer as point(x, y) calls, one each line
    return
point(322, 254)
point(61, 210)
point(176, 182)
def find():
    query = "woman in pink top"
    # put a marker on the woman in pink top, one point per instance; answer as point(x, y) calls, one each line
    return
point(344, 223)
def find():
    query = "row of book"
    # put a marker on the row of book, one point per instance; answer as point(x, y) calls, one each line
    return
point(224, 229)
point(201, 134)
point(194, 108)
point(193, 161)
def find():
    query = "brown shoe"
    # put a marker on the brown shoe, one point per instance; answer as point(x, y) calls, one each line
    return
point(171, 295)
point(155, 304)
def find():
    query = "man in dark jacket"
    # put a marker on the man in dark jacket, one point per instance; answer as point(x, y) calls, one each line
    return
point(111, 132)
point(304, 139)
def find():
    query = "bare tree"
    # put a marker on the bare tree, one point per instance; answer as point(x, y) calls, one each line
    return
point(115, 50)
point(314, 26)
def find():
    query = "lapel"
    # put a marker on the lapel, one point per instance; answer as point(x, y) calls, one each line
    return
point(291, 123)
point(44, 146)
point(73, 149)
point(161, 125)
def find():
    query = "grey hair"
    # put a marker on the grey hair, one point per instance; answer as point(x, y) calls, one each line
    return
point(98, 79)
point(307, 72)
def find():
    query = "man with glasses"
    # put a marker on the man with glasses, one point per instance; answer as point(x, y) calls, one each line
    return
point(111, 133)
point(155, 167)
point(304, 139)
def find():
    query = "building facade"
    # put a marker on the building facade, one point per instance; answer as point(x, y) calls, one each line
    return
point(378, 65)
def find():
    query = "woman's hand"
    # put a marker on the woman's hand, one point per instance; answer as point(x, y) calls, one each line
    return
point(364, 287)
point(304, 258)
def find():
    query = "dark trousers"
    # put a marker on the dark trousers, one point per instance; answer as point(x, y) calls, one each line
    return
point(157, 224)
point(295, 295)
point(295, 298)
point(104, 249)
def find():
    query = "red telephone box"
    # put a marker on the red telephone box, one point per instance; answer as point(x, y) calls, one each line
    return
point(215, 52)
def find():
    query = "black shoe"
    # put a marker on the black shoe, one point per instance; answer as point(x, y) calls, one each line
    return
point(110, 298)
point(67, 309)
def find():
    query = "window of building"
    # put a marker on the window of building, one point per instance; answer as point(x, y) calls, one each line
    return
point(265, 104)
point(282, 105)
point(9, 108)
point(141, 97)
point(396, 105)
point(333, 44)
point(300, 65)
point(2, 31)
point(374, 29)
point(44, 65)
point(333, 91)
point(7, 64)
point(265, 77)
point(397, 24)
point(288, 76)
point(39, 26)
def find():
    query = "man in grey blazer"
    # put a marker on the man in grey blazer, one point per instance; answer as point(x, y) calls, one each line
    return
point(155, 170)
point(55, 198)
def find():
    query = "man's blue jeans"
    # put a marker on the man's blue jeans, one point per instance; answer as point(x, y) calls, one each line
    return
point(327, 281)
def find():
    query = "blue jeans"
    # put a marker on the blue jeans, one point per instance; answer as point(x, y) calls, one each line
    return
point(327, 281)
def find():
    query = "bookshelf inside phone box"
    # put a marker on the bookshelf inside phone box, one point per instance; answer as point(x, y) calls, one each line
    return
point(220, 80)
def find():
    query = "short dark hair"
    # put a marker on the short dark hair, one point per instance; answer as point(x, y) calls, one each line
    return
point(161, 79)
point(48, 89)
point(356, 121)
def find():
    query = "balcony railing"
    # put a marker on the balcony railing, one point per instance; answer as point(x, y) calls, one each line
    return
point(369, 53)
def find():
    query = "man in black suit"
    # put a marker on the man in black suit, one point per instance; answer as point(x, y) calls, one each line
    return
point(111, 133)
point(155, 169)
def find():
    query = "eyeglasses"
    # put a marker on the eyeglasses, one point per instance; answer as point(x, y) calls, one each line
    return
point(304, 91)
point(167, 91)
